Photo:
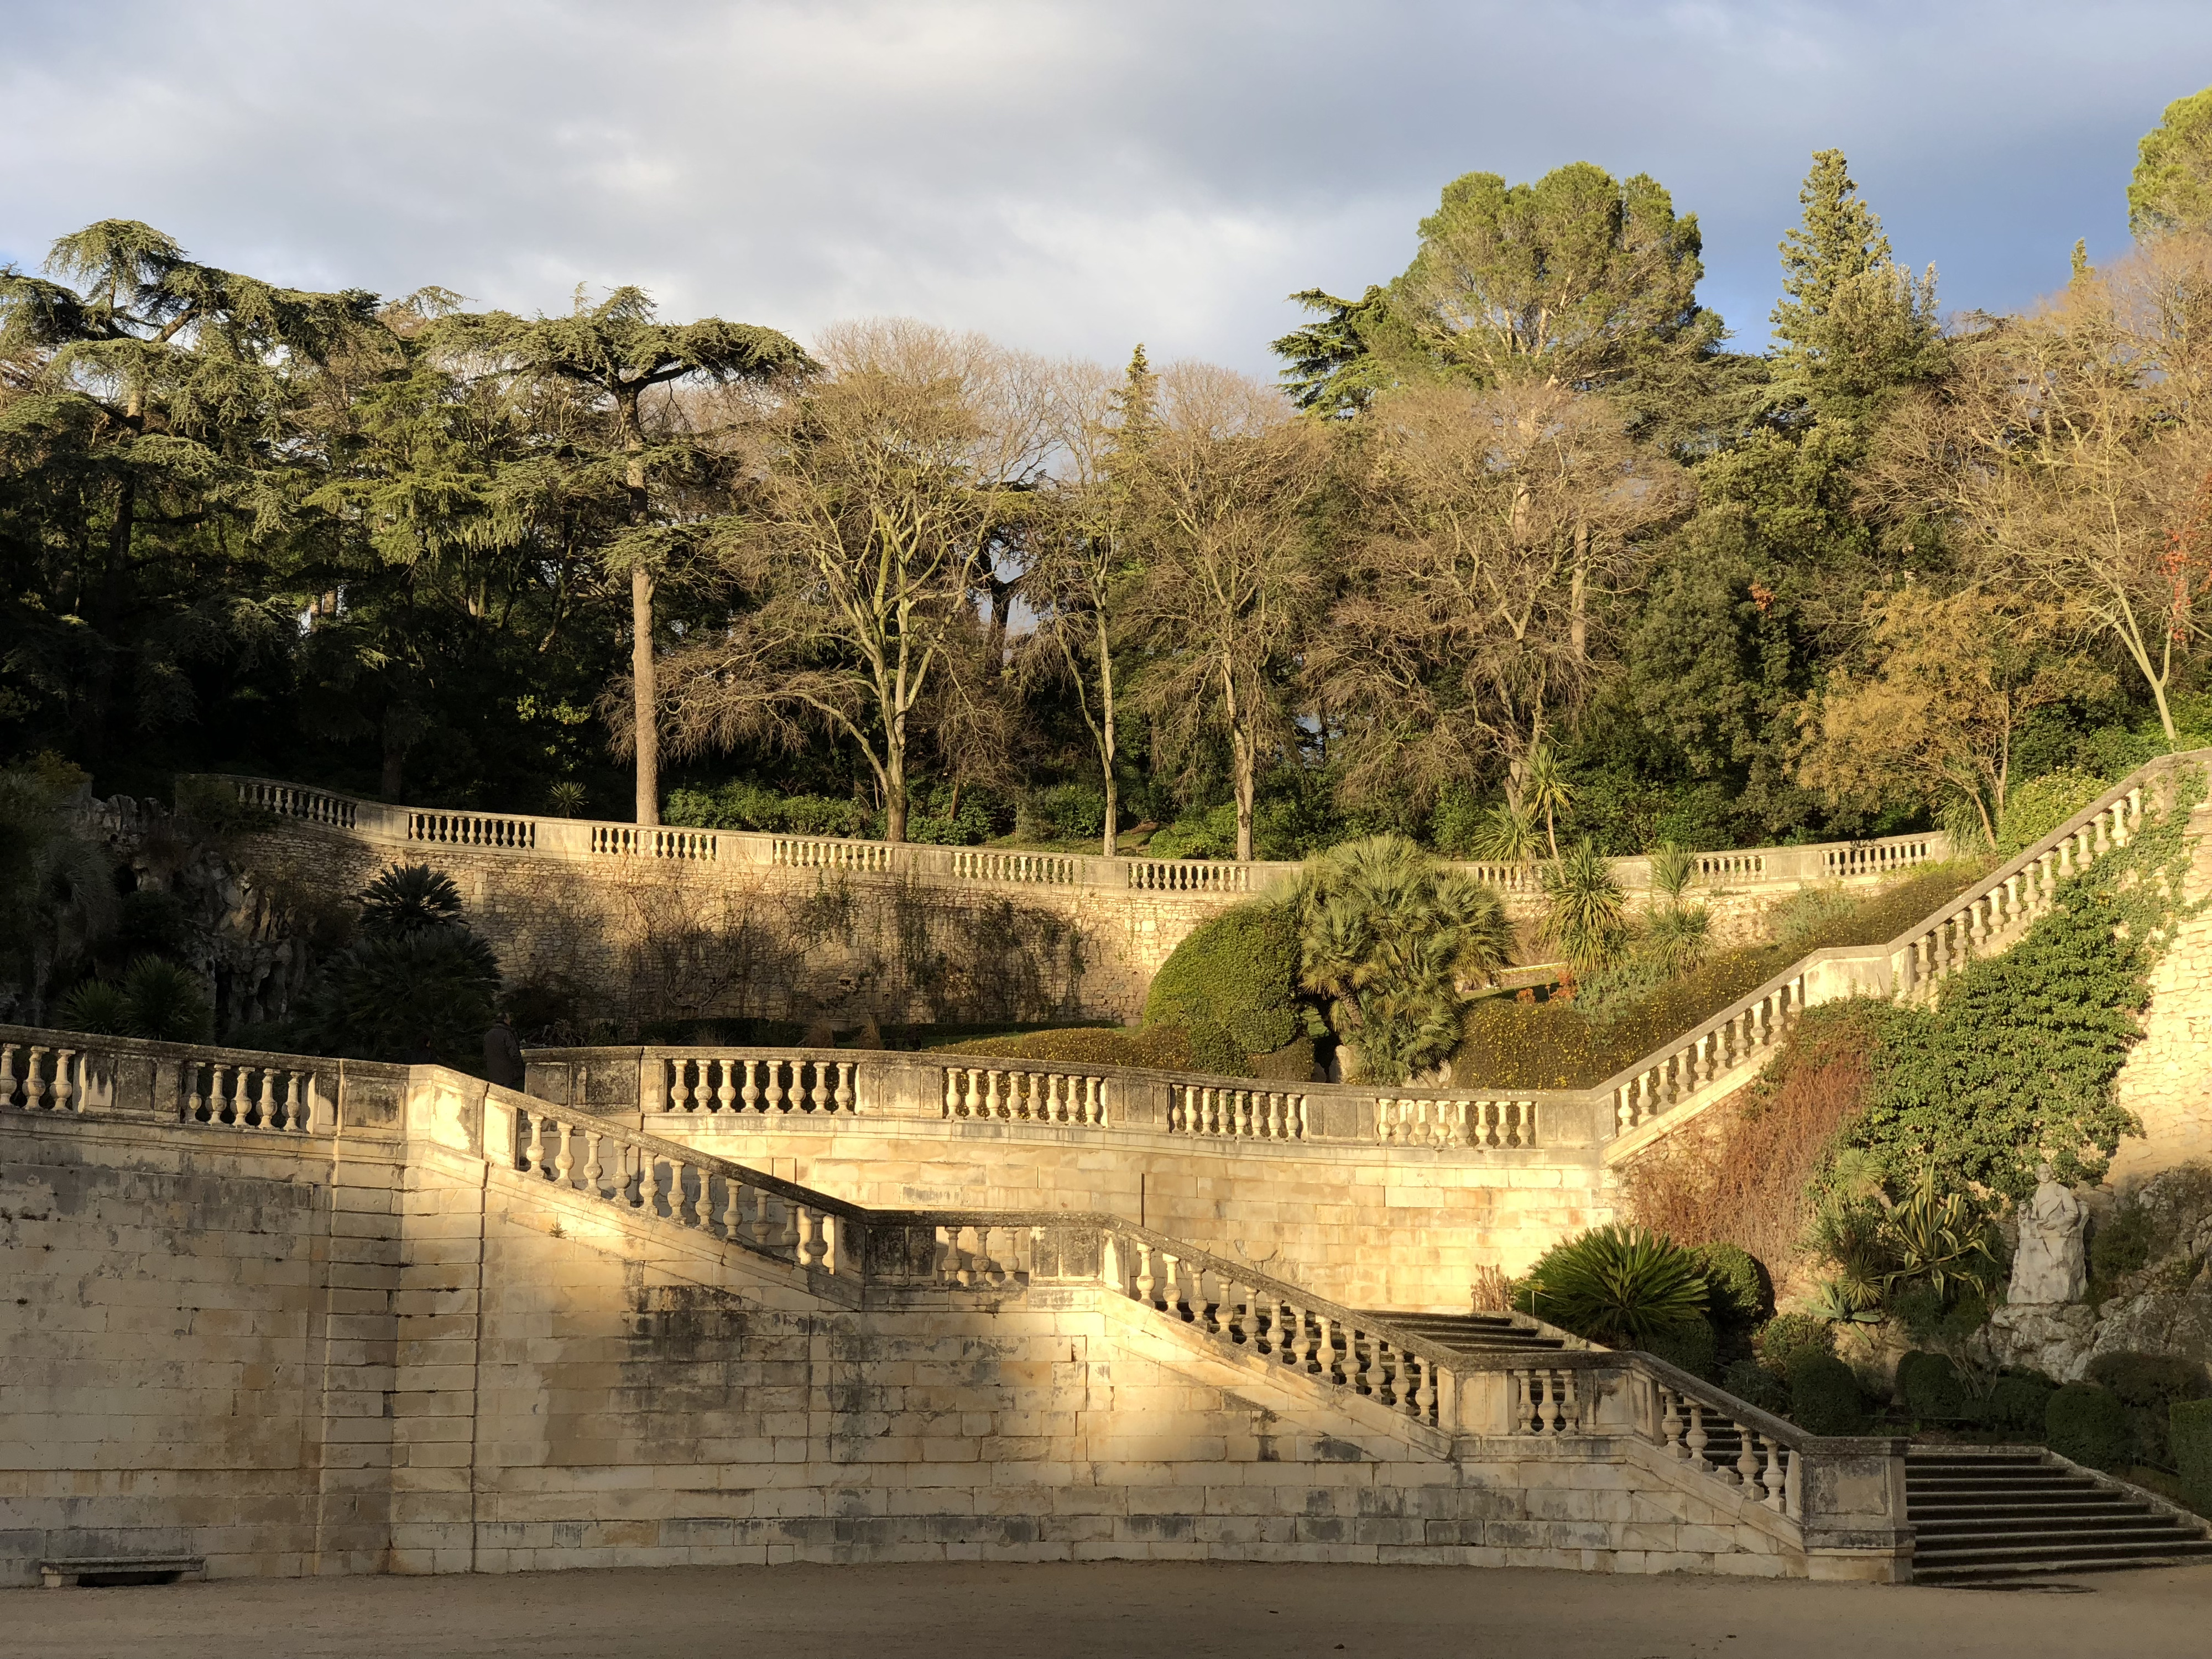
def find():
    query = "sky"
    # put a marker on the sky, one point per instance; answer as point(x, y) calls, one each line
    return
point(1068, 177)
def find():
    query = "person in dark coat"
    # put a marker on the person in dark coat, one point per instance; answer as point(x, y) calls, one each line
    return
point(503, 1055)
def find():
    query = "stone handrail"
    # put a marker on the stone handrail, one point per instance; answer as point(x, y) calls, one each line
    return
point(1720, 1054)
point(827, 1086)
point(82, 1074)
point(576, 838)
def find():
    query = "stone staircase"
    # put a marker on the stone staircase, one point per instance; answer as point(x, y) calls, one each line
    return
point(2016, 1513)
point(1475, 1333)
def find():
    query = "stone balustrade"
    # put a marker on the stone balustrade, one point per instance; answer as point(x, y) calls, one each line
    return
point(222, 1087)
point(1455, 1120)
point(571, 838)
point(807, 1083)
point(1010, 1093)
point(1237, 1112)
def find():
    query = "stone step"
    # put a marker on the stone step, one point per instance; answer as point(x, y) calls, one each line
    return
point(2065, 1551)
point(2055, 1486)
point(1946, 1514)
point(2046, 1528)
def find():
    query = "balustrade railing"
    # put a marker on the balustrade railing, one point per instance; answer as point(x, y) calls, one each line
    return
point(1013, 1094)
point(1034, 869)
point(1186, 876)
point(291, 801)
point(473, 829)
point(43, 1077)
point(1455, 1120)
point(806, 1083)
point(1232, 1112)
point(1742, 1035)
point(862, 857)
point(654, 842)
point(82, 1074)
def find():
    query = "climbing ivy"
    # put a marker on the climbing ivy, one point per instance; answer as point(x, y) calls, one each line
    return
point(2016, 1062)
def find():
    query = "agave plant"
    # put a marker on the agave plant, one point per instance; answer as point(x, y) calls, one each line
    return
point(1618, 1284)
point(1388, 935)
point(1947, 1241)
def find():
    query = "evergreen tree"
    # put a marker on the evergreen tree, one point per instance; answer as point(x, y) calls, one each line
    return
point(1851, 322)
point(2172, 189)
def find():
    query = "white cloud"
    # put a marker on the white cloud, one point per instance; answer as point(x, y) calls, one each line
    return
point(1071, 176)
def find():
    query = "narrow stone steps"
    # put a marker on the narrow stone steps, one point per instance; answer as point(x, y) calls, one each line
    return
point(2016, 1514)
point(1472, 1333)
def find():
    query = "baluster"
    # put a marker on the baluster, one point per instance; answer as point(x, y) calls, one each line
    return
point(775, 1096)
point(733, 1208)
point(1697, 1437)
point(810, 1248)
point(1094, 1100)
point(595, 1170)
point(694, 1204)
point(819, 1092)
point(750, 1093)
point(1670, 1425)
point(564, 1160)
point(991, 1094)
point(7, 1075)
point(1411, 1383)
point(787, 1238)
point(679, 1089)
point(972, 1101)
point(1171, 1284)
point(1321, 1349)
point(844, 1095)
point(533, 1152)
point(649, 1181)
point(1427, 1405)
point(65, 1084)
point(1145, 1281)
point(725, 1091)
point(1793, 1495)
point(1746, 1462)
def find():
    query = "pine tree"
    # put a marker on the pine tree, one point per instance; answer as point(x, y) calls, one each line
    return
point(2172, 189)
point(1853, 323)
point(1838, 237)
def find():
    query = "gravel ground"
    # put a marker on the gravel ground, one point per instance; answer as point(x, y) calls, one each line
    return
point(978, 1611)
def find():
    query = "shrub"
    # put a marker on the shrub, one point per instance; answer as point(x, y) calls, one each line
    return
point(1236, 975)
point(1585, 912)
point(2122, 1242)
point(404, 898)
point(97, 1006)
point(384, 994)
point(2189, 1431)
point(1694, 1347)
point(2019, 1404)
point(1065, 812)
point(1291, 1063)
point(1932, 1389)
point(156, 999)
point(2149, 1385)
point(2033, 809)
point(1755, 1385)
point(1782, 1338)
point(1742, 1291)
point(2090, 1426)
point(1824, 1396)
point(1616, 1285)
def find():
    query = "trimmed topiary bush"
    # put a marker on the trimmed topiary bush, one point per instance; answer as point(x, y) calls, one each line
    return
point(1694, 1347)
point(1742, 1291)
point(1931, 1388)
point(1782, 1338)
point(1753, 1383)
point(2090, 1426)
point(2189, 1431)
point(1823, 1395)
point(2018, 1405)
point(1236, 974)
point(2149, 1385)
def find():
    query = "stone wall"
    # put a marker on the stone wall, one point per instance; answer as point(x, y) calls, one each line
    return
point(386, 1352)
point(2168, 1080)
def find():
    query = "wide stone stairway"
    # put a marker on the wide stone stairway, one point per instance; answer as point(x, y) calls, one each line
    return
point(1982, 1516)
point(1490, 1333)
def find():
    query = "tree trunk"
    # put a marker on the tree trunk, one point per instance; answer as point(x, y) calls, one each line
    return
point(894, 789)
point(1578, 595)
point(644, 687)
point(1242, 749)
point(1106, 743)
point(645, 693)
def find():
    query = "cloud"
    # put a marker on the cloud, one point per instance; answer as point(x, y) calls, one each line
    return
point(1070, 177)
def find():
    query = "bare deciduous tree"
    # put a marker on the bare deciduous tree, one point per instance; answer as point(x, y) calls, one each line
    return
point(878, 489)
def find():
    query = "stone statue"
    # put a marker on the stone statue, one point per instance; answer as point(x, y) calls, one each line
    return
point(2047, 1265)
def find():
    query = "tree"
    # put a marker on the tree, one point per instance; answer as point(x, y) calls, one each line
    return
point(1495, 522)
point(1851, 321)
point(2172, 189)
point(2069, 448)
point(1335, 366)
point(620, 351)
point(1953, 680)
point(1577, 280)
point(880, 489)
point(156, 390)
point(1081, 549)
point(1230, 585)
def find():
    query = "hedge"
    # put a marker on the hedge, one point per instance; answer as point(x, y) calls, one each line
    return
point(2189, 1431)
point(1824, 1396)
point(2090, 1426)
point(1237, 973)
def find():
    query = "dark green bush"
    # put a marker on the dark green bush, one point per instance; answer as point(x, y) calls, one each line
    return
point(1238, 974)
point(2122, 1242)
point(2149, 1385)
point(1755, 1385)
point(156, 999)
point(1824, 1396)
point(2018, 1405)
point(1291, 1063)
point(2090, 1426)
point(1620, 1285)
point(2189, 1431)
point(1931, 1388)
point(1693, 1346)
point(1742, 1290)
point(1782, 1338)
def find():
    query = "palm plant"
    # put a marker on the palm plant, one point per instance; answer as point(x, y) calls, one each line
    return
point(565, 798)
point(1545, 789)
point(1505, 834)
point(1388, 935)
point(1586, 912)
point(405, 898)
point(1620, 1285)
point(1676, 933)
point(156, 999)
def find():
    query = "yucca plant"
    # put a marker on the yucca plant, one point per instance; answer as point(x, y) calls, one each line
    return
point(1505, 836)
point(1586, 912)
point(1545, 792)
point(1618, 1284)
point(565, 798)
point(156, 999)
point(97, 1006)
point(404, 898)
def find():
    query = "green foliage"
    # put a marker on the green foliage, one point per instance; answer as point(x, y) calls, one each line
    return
point(1064, 812)
point(1757, 1385)
point(155, 999)
point(742, 805)
point(2121, 1244)
point(97, 1006)
point(1932, 1388)
point(1167, 1048)
point(1585, 912)
point(2090, 1426)
point(1693, 1346)
point(404, 898)
point(2189, 1435)
point(2172, 189)
point(2033, 809)
point(1742, 1289)
point(1824, 1396)
point(1617, 1284)
point(2020, 1404)
point(1386, 935)
point(2149, 1385)
point(2014, 1065)
point(1782, 1338)
point(1232, 981)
